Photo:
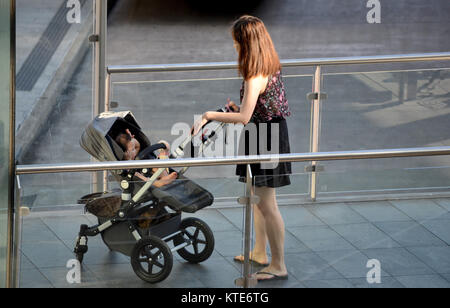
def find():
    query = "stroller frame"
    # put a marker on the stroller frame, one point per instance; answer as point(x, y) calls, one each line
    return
point(149, 247)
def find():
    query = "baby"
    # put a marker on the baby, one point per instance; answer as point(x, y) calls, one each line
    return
point(131, 147)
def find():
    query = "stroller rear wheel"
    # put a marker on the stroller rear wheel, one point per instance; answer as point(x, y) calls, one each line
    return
point(152, 259)
point(201, 238)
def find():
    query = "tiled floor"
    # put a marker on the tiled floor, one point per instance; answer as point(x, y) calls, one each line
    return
point(327, 245)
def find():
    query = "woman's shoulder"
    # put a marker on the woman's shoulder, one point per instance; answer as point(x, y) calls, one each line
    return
point(258, 82)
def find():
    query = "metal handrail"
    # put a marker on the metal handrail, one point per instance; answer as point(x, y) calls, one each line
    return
point(238, 160)
point(129, 69)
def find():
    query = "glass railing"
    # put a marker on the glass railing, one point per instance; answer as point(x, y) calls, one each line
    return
point(326, 244)
point(159, 101)
point(53, 79)
point(388, 243)
point(379, 110)
point(362, 110)
point(192, 258)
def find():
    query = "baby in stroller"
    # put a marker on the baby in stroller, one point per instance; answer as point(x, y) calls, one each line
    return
point(131, 148)
point(119, 213)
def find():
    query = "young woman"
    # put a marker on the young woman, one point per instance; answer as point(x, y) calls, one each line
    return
point(263, 100)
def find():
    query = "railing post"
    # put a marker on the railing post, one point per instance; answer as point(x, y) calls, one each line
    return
point(99, 71)
point(107, 91)
point(247, 281)
point(107, 108)
point(315, 129)
point(19, 212)
point(100, 28)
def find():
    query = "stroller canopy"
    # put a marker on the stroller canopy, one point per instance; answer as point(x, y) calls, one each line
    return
point(99, 137)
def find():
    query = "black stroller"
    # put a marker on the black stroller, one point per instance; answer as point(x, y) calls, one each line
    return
point(140, 220)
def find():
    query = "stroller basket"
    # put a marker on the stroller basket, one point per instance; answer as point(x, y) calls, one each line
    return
point(102, 205)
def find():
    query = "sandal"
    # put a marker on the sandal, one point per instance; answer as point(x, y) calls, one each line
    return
point(274, 277)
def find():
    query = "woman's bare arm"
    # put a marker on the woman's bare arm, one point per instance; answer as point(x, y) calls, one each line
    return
point(253, 88)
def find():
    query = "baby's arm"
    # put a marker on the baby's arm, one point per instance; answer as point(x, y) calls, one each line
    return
point(163, 179)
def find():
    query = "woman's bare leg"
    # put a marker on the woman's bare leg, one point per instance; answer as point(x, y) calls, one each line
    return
point(275, 231)
point(259, 252)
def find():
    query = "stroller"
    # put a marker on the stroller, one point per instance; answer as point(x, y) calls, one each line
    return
point(140, 220)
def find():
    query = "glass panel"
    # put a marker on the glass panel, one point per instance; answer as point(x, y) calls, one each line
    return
point(49, 236)
point(385, 110)
point(5, 99)
point(392, 242)
point(54, 88)
point(160, 101)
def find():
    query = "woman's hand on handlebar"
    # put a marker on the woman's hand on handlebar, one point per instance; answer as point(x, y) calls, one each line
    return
point(199, 124)
point(231, 106)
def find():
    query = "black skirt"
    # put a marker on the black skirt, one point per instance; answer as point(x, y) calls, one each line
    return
point(266, 175)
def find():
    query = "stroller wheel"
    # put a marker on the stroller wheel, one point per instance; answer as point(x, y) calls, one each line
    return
point(152, 259)
point(201, 238)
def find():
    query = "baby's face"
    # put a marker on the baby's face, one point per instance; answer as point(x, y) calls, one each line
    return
point(133, 148)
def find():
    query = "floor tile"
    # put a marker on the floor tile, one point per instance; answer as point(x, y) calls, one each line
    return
point(229, 243)
point(350, 264)
point(298, 216)
point(321, 238)
point(235, 216)
point(422, 209)
point(446, 276)
point(364, 236)
point(214, 273)
point(65, 227)
point(443, 202)
point(335, 214)
point(378, 211)
point(58, 277)
point(438, 258)
point(33, 278)
point(47, 254)
point(440, 228)
point(398, 262)
point(424, 281)
point(102, 255)
point(215, 220)
point(310, 266)
point(409, 234)
point(35, 230)
point(328, 284)
point(386, 282)
point(293, 245)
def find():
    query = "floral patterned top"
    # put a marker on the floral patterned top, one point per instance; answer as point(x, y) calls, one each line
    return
point(272, 103)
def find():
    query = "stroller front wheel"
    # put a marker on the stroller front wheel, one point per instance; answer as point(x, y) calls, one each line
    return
point(201, 238)
point(152, 259)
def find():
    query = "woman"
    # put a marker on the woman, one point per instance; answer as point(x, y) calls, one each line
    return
point(263, 100)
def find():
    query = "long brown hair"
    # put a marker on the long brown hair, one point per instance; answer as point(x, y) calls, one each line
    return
point(257, 55)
